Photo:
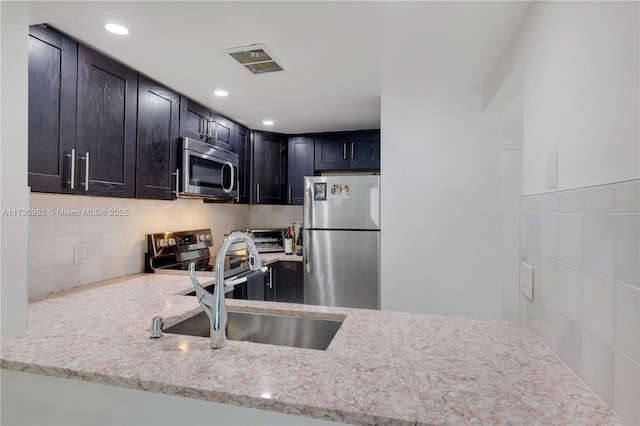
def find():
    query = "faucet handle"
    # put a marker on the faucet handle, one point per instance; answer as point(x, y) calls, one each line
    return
point(156, 328)
point(204, 297)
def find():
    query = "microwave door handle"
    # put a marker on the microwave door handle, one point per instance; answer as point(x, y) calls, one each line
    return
point(227, 164)
point(231, 172)
point(232, 177)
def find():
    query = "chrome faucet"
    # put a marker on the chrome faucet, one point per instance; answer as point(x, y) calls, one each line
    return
point(214, 304)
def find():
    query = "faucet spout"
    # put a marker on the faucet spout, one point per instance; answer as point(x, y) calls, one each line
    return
point(214, 304)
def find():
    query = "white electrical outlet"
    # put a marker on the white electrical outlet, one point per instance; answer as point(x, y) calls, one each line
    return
point(79, 252)
point(526, 280)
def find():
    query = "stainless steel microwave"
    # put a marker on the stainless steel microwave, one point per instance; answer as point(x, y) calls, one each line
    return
point(207, 171)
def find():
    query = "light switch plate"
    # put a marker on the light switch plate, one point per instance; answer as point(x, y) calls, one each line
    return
point(526, 280)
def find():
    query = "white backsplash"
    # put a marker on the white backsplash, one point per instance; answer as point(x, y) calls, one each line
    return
point(272, 216)
point(116, 244)
point(584, 247)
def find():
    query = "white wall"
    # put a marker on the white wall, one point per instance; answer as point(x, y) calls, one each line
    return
point(13, 176)
point(577, 64)
point(441, 171)
point(580, 73)
point(512, 127)
point(116, 244)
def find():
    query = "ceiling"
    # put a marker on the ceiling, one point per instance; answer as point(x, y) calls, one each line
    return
point(340, 57)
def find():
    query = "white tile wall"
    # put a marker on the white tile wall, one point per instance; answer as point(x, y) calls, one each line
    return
point(116, 244)
point(272, 216)
point(584, 247)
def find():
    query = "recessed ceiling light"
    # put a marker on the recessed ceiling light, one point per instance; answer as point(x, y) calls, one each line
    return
point(221, 93)
point(268, 122)
point(117, 29)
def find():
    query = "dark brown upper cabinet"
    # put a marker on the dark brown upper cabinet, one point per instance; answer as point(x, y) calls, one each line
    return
point(106, 132)
point(200, 123)
point(365, 151)
point(269, 168)
point(222, 131)
point(300, 164)
point(348, 151)
point(157, 140)
point(194, 120)
point(242, 147)
point(53, 68)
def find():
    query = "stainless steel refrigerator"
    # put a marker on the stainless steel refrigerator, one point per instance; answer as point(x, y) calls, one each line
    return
point(342, 241)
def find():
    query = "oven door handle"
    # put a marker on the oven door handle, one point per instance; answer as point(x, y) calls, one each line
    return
point(233, 282)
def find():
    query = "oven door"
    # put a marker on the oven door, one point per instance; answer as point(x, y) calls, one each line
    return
point(209, 176)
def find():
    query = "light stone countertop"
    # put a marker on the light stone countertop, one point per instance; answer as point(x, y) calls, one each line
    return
point(381, 367)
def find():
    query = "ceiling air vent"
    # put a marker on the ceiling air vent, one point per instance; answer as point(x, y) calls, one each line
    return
point(257, 58)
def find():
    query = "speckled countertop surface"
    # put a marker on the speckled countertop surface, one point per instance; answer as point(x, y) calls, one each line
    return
point(381, 367)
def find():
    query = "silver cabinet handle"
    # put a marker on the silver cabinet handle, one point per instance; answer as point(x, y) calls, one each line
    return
point(206, 130)
point(352, 144)
point(86, 170)
point(273, 279)
point(257, 193)
point(177, 175)
point(344, 150)
point(290, 195)
point(211, 122)
point(270, 277)
point(72, 178)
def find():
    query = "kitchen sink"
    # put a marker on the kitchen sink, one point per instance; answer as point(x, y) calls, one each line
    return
point(299, 332)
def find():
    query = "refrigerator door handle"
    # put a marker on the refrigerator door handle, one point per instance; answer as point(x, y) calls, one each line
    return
point(307, 249)
point(308, 205)
point(308, 220)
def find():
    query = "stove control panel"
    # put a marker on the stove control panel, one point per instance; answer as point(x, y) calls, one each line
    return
point(178, 241)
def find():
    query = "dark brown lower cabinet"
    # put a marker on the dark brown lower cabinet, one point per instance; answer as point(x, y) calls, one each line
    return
point(284, 282)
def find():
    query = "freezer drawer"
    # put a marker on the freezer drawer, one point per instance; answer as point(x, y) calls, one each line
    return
point(342, 268)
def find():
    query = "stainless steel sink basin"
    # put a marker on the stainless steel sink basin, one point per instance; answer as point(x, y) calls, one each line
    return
point(310, 333)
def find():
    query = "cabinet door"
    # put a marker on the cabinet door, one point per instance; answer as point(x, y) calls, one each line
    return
point(289, 282)
point(332, 151)
point(270, 168)
point(53, 74)
point(194, 120)
point(107, 100)
point(365, 151)
point(301, 158)
point(242, 147)
point(158, 112)
point(222, 131)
